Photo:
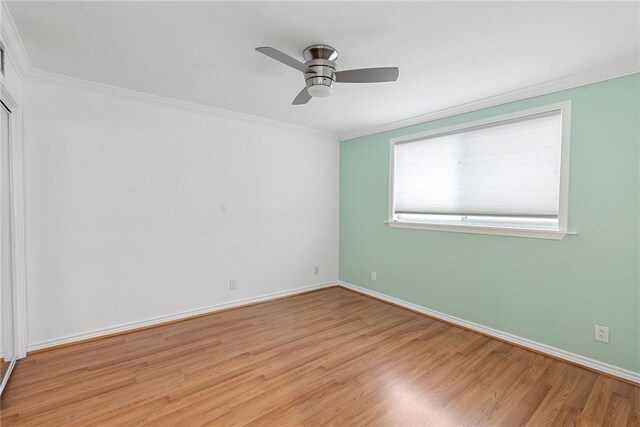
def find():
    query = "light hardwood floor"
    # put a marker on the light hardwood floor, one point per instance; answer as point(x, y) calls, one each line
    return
point(331, 357)
point(3, 368)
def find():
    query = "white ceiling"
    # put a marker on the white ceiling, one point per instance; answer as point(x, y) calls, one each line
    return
point(449, 53)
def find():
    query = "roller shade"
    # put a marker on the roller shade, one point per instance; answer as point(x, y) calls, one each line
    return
point(509, 168)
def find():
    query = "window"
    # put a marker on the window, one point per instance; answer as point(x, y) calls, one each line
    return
point(506, 175)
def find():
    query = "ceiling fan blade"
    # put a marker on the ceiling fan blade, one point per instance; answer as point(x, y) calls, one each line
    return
point(302, 98)
point(368, 75)
point(284, 58)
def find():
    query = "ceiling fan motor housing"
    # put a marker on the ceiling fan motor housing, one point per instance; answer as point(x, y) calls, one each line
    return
point(321, 59)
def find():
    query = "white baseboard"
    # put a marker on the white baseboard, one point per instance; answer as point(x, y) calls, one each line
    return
point(542, 348)
point(533, 345)
point(96, 333)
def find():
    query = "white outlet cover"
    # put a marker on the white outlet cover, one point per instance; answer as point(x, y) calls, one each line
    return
point(602, 333)
point(374, 276)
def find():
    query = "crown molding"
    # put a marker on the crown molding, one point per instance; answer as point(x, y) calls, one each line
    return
point(557, 85)
point(17, 53)
point(14, 48)
point(53, 79)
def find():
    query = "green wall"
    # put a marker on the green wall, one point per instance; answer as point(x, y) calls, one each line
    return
point(550, 291)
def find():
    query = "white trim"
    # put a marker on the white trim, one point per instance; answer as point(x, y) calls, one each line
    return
point(6, 97)
point(14, 48)
point(552, 86)
point(542, 348)
point(15, 45)
point(565, 144)
point(13, 42)
point(14, 55)
point(5, 378)
point(96, 333)
point(565, 111)
point(60, 80)
point(475, 229)
point(505, 336)
point(18, 234)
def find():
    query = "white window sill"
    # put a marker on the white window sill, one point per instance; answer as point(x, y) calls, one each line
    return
point(476, 229)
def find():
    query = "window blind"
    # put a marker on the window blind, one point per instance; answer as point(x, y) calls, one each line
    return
point(509, 168)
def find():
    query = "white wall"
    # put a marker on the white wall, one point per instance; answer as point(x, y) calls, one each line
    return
point(136, 210)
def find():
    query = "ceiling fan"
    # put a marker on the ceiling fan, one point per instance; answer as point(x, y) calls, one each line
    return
point(320, 71)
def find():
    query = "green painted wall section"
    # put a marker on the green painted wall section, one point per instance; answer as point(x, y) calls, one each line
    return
point(549, 291)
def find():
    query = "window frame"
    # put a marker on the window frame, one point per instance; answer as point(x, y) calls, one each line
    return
point(565, 113)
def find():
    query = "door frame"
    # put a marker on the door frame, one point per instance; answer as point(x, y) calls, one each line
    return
point(18, 256)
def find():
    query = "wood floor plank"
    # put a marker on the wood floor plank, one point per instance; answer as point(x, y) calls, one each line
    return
point(596, 406)
point(331, 357)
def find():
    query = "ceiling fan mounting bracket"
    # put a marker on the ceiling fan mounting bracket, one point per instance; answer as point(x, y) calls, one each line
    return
point(320, 51)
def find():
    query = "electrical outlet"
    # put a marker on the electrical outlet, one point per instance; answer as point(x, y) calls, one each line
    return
point(602, 333)
point(233, 284)
point(374, 276)
point(316, 270)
